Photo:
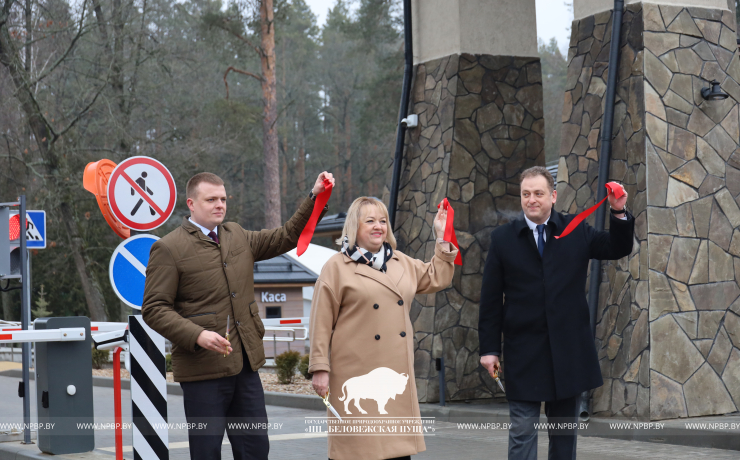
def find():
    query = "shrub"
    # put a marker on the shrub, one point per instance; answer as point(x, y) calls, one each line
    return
point(168, 362)
point(99, 357)
point(286, 364)
point(303, 368)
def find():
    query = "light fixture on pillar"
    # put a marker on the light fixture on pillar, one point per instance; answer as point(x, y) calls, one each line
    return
point(714, 92)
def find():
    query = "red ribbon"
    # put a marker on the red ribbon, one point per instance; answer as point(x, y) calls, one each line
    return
point(321, 199)
point(450, 229)
point(612, 188)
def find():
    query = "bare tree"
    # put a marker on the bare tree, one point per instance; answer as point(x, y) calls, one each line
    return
point(47, 134)
point(268, 80)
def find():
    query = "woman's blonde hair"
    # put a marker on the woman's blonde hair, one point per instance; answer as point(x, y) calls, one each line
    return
point(354, 216)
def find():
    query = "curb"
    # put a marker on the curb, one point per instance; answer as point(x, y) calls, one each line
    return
point(272, 398)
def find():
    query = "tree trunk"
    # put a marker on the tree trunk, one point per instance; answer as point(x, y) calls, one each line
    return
point(7, 306)
point(339, 177)
point(300, 164)
point(271, 176)
point(284, 181)
point(284, 159)
point(90, 286)
point(348, 188)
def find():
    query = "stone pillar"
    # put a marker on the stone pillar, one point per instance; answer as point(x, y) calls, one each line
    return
point(668, 330)
point(478, 93)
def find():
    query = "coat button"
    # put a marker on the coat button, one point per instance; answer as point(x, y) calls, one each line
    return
point(224, 264)
point(377, 337)
point(403, 334)
point(233, 294)
point(400, 302)
point(376, 306)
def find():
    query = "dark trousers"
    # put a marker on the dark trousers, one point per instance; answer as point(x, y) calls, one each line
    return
point(234, 404)
point(523, 435)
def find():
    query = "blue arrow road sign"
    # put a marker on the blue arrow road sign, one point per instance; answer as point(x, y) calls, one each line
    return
point(127, 269)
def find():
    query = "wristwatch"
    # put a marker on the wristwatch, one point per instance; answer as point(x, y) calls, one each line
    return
point(311, 195)
point(621, 211)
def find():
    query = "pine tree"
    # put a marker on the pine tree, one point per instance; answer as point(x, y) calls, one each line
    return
point(41, 303)
point(554, 74)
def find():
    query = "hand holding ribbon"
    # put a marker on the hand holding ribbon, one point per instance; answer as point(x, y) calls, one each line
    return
point(449, 234)
point(615, 192)
point(324, 185)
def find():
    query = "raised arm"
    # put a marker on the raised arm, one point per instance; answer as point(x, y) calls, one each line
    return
point(267, 244)
point(436, 274)
point(615, 243)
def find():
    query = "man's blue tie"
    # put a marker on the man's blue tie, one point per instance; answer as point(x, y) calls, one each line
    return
point(541, 238)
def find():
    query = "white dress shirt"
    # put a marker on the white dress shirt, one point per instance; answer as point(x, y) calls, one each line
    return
point(532, 226)
point(202, 228)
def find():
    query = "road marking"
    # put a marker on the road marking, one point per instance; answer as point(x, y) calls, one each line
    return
point(186, 445)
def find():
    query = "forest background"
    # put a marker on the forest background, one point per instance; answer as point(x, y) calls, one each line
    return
point(83, 80)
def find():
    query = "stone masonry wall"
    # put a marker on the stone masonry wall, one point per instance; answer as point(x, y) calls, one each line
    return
point(668, 329)
point(480, 124)
point(622, 330)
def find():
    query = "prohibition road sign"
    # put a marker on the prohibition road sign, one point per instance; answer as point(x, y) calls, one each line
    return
point(127, 269)
point(141, 193)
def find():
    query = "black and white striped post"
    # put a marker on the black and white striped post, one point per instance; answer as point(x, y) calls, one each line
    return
point(148, 391)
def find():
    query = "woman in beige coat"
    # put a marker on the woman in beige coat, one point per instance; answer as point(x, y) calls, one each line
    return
point(362, 339)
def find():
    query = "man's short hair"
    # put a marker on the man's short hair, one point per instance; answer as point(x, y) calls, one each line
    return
point(192, 187)
point(538, 171)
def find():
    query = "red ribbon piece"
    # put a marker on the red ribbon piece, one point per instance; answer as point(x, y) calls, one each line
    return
point(450, 229)
point(321, 199)
point(612, 188)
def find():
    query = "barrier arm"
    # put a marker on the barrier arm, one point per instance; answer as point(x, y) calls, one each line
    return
point(70, 334)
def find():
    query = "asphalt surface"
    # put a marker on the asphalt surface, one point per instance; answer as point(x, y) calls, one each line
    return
point(288, 437)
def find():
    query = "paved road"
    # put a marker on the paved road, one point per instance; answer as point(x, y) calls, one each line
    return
point(289, 442)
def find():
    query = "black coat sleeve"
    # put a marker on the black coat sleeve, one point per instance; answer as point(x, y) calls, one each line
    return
point(613, 244)
point(491, 313)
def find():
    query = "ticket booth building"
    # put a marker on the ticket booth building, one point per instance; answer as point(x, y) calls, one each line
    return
point(278, 291)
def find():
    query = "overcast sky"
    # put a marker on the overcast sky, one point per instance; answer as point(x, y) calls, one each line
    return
point(553, 19)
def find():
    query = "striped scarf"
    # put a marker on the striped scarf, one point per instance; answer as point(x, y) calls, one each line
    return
point(361, 256)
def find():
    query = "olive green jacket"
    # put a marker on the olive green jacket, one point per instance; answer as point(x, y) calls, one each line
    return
point(193, 284)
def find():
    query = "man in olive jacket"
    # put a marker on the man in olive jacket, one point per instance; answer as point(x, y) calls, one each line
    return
point(198, 275)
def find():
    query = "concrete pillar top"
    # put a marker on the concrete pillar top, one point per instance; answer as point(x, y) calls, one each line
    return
point(495, 27)
point(585, 8)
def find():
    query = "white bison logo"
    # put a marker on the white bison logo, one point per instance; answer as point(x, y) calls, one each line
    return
point(380, 384)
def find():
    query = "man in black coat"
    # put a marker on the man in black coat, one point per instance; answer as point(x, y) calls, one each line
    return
point(544, 318)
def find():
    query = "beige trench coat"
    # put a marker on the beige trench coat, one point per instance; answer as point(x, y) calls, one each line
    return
point(361, 333)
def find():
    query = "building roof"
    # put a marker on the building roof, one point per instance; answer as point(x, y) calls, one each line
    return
point(331, 224)
point(314, 258)
point(283, 269)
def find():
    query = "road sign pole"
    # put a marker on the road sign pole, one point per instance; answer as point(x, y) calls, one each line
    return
point(131, 310)
point(25, 321)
